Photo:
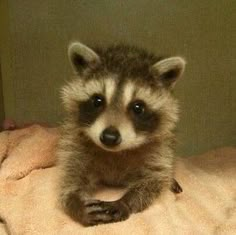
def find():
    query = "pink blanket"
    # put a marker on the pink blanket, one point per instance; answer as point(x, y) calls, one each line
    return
point(28, 204)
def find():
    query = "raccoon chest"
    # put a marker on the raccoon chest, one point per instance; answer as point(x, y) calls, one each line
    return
point(111, 173)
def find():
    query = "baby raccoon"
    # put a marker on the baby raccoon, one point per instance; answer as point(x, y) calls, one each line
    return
point(118, 130)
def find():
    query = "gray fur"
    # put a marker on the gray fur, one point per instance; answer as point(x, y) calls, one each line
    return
point(144, 164)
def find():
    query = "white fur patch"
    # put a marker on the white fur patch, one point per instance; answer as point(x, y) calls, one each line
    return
point(129, 138)
point(128, 93)
point(110, 87)
point(133, 92)
point(154, 100)
point(92, 87)
point(79, 90)
point(96, 129)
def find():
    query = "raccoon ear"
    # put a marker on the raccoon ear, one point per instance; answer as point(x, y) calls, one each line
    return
point(169, 70)
point(82, 57)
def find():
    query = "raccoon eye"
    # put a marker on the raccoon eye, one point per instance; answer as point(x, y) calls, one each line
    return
point(138, 107)
point(98, 101)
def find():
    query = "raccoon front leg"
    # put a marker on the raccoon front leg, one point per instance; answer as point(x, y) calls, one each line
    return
point(102, 212)
point(138, 197)
point(142, 194)
point(73, 198)
point(78, 204)
point(92, 212)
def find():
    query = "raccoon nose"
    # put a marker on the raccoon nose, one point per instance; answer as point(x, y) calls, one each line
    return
point(110, 137)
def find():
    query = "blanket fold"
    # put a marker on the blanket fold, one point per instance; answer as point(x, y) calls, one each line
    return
point(28, 204)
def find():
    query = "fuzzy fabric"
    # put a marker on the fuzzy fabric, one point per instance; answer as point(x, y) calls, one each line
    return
point(28, 204)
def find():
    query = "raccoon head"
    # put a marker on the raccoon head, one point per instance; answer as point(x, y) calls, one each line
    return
point(121, 97)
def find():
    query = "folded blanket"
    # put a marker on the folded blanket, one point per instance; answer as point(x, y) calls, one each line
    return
point(28, 204)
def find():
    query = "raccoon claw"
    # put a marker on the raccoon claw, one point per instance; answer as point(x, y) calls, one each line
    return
point(175, 187)
point(100, 212)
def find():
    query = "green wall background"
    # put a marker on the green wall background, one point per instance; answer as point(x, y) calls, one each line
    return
point(34, 60)
point(1, 100)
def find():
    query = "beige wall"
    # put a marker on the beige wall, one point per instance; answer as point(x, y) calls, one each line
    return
point(35, 63)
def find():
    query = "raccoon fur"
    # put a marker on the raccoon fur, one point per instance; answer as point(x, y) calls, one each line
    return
point(118, 130)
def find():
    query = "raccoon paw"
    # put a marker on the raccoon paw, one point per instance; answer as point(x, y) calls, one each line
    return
point(175, 187)
point(101, 212)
